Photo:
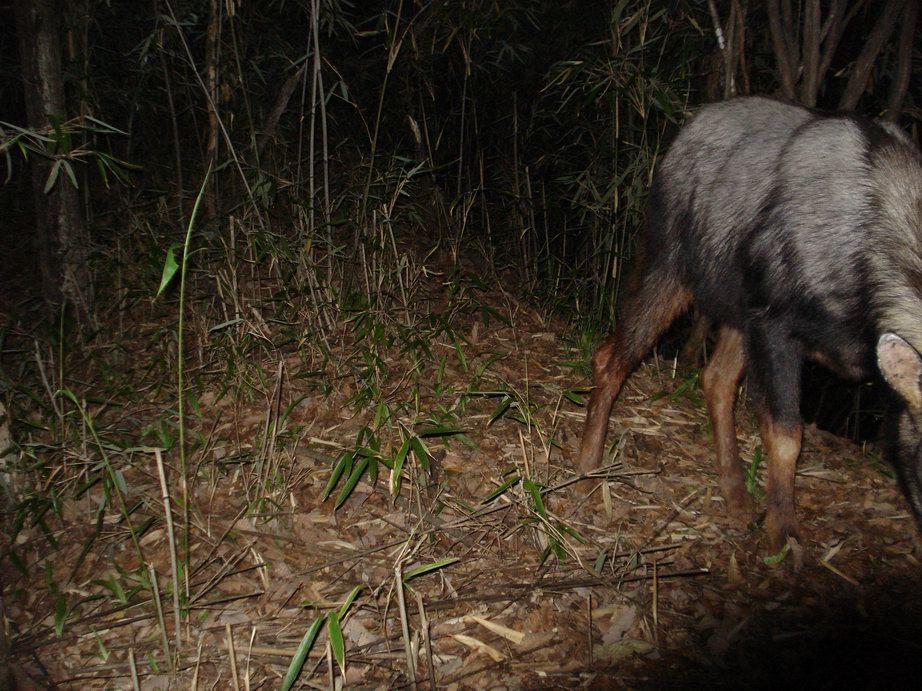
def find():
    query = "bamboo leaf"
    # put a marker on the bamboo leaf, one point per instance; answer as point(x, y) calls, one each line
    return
point(349, 600)
point(439, 431)
point(170, 267)
point(60, 615)
point(534, 489)
point(353, 480)
point(500, 410)
point(337, 643)
point(421, 451)
point(501, 489)
point(429, 568)
point(52, 177)
point(397, 470)
point(344, 462)
point(304, 648)
point(69, 169)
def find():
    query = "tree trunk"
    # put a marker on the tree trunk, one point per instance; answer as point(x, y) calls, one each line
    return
point(873, 44)
point(810, 83)
point(60, 235)
point(787, 65)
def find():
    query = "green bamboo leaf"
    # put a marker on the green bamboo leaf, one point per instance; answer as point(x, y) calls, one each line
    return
point(52, 177)
point(462, 360)
point(60, 615)
point(103, 171)
point(575, 396)
point(534, 489)
point(344, 462)
point(69, 169)
point(572, 532)
point(170, 267)
point(558, 549)
point(501, 489)
point(382, 415)
point(439, 431)
point(429, 568)
point(357, 472)
point(383, 460)
point(752, 478)
point(337, 643)
point(119, 477)
point(421, 451)
point(70, 395)
point(363, 434)
point(101, 649)
point(104, 127)
point(373, 470)
point(115, 587)
point(500, 410)
point(687, 388)
point(297, 662)
point(599, 562)
point(9, 163)
point(397, 470)
point(368, 452)
point(354, 593)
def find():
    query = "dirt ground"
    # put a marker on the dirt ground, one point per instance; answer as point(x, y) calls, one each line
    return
point(644, 582)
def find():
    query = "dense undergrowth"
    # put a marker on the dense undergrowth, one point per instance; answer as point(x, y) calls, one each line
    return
point(111, 459)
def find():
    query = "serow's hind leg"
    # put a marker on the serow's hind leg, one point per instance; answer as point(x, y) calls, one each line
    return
point(782, 448)
point(774, 379)
point(720, 380)
point(645, 313)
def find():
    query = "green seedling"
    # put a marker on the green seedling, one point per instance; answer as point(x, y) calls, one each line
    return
point(751, 474)
point(687, 389)
point(775, 559)
point(552, 528)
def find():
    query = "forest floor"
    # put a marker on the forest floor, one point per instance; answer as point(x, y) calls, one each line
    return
point(642, 581)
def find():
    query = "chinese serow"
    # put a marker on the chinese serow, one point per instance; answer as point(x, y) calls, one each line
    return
point(799, 235)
